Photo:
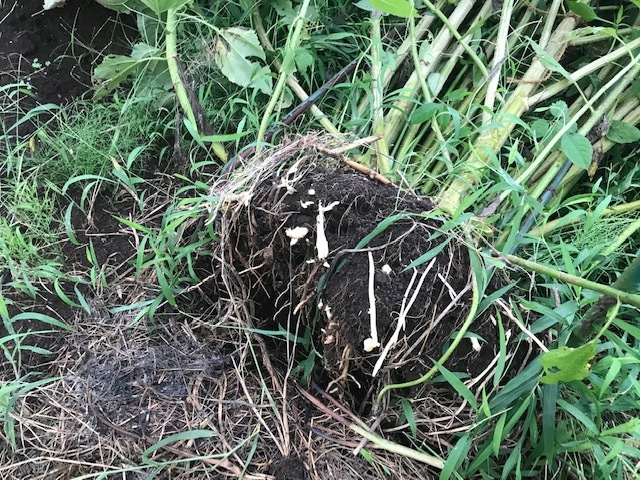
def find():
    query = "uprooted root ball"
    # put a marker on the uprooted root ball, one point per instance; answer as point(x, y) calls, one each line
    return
point(315, 246)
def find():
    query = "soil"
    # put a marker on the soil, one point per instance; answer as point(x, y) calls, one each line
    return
point(52, 53)
point(292, 289)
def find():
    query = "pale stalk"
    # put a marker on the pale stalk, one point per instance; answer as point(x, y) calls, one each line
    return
point(499, 56)
point(625, 235)
point(431, 57)
point(408, 139)
point(171, 49)
point(287, 63)
point(588, 69)
point(454, 31)
point(600, 37)
point(421, 29)
point(294, 85)
point(552, 14)
point(381, 148)
point(554, 225)
point(613, 88)
point(491, 140)
point(602, 146)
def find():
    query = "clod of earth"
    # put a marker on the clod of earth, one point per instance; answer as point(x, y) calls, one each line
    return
point(374, 318)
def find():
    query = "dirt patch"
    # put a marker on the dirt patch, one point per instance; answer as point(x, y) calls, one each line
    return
point(52, 53)
point(378, 237)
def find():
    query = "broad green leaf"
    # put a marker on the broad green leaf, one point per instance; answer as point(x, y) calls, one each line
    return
point(424, 113)
point(122, 6)
point(161, 6)
point(113, 70)
point(233, 48)
point(623, 132)
point(567, 364)
point(540, 128)
point(577, 149)
point(399, 8)
point(582, 10)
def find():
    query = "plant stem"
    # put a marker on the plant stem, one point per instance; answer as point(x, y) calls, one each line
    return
point(630, 298)
point(431, 57)
point(498, 60)
point(491, 140)
point(288, 66)
point(588, 69)
point(553, 225)
point(171, 48)
point(381, 148)
point(294, 85)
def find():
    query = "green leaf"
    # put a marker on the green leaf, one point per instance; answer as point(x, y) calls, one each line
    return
point(122, 6)
point(424, 113)
point(458, 385)
point(577, 149)
point(583, 10)
point(161, 6)
point(567, 364)
point(232, 49)
point(411, 417)
point(623, 132)
point(113, 70)
point(399, 8)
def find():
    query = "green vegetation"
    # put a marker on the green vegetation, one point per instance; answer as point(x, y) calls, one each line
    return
point(520, 123)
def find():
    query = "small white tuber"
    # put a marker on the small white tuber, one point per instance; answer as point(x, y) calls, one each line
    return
point(296, 233)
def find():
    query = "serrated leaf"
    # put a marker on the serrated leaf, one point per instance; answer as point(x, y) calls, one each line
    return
point(540, 128)
point(399, 8)
point(567, 364)
point(623, 132)
point(161, 6)
point(582, 10)
point(141, 51)
point(113, 70)
point(232, 49)
point(303, 59)
point(577, 149)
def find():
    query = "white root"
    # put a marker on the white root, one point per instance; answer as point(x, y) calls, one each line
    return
point(372, 342)
point(322, 245)
point(404, 311)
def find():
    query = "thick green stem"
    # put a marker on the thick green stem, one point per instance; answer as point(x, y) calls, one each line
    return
point(288, 66)
point(381, 148)
point(171, 47)
point(626, 297)
point(294, 85)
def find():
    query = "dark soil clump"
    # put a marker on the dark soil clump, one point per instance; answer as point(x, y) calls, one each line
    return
point(363, 221)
